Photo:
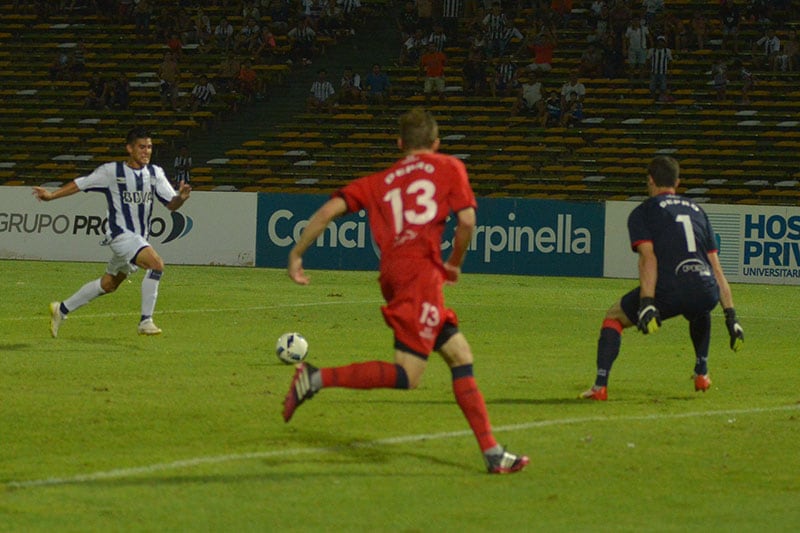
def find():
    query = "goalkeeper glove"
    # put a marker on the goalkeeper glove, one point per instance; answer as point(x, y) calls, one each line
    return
point(734, 329)
point(649, 317)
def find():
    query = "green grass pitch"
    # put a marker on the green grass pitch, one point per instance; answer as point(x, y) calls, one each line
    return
point(103, 430)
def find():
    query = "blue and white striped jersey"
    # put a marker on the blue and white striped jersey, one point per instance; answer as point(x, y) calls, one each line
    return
point(129, 194)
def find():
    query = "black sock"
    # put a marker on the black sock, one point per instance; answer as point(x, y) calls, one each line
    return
point(700, 332)
point(607, 350)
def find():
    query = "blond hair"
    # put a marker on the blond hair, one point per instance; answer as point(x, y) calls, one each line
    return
point(418, 129)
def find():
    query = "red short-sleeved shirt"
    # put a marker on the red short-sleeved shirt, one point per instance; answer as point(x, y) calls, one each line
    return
point(408, 205)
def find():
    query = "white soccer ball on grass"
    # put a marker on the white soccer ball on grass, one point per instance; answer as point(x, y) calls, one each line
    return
point(292, 348)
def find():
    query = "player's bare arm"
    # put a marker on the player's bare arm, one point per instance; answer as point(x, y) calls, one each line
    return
point(463, 234)
point(333, 208)
point(184, 191)
point(44, 195)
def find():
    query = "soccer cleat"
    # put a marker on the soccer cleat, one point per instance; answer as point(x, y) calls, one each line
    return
point(148, 327)
point(56, 318)
point(505, 462)
point(701, 382)
point(595, 393)
point(299, 391)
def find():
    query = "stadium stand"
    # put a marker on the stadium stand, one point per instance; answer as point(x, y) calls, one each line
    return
point(730, 151)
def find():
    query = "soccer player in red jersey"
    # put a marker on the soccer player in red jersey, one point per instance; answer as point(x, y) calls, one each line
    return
point(408, 204)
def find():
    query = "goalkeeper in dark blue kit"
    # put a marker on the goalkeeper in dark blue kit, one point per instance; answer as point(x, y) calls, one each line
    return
point(679, 274)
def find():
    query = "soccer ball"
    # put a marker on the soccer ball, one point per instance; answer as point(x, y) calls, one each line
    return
point(291, 348)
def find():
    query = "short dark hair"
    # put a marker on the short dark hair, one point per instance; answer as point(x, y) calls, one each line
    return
point(664, 170)
point(137, 132)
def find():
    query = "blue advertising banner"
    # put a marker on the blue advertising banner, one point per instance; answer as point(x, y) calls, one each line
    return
point(513, 236)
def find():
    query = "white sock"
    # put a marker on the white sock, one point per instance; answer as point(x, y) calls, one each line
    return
point(85, 294)
point(150, 292)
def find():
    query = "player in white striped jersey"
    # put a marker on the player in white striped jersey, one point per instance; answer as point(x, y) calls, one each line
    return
point(129, 187)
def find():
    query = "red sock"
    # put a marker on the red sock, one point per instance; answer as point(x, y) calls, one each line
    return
point(369, 375)
point(470, 400)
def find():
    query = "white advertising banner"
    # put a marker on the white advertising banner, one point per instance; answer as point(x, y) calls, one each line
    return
point(212, 228)
point(757, 244)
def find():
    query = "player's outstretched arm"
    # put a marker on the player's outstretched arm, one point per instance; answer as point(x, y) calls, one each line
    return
point(44, 195)
point(464, 228)
point(335, 207)
point(735, 330)
point(184, 191)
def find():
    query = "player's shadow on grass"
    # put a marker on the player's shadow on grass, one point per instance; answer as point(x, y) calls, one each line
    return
point(18, 347)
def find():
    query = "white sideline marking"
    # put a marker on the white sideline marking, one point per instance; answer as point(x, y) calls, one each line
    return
point(218, 459)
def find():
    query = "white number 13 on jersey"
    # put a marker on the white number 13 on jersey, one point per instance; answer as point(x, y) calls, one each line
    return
point(423, 190)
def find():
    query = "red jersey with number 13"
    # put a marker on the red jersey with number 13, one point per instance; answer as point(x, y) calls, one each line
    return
point(409, 202)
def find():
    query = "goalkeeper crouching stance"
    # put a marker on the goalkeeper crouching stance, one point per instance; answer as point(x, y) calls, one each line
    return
point(679, 274)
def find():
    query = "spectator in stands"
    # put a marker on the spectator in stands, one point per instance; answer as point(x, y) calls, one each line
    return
point(250, 11)
point(183, 166)
point(591, 62)
point(619, 19)
point(452, 10)
point(561, 11)
point(700, 30)
point(477, 40)
point(676, 31)
point(730, 17)
point(506, 77)
point(495, 23)
point(659, 59)
point(637, 42)
point(142, 13)
point(267, 49)
point(169, 75)
point(223, 34)
point(280, 11)
point(432, 65)
point(407, 21)
point(247, 39)
point(350, 15)
point(759, 11)
point(120, 92)
point(425, 14)
point(227, 71)
point(98, 93)
point(613, 60)
point(770, 46)
point(438, 37)
point(377, 86)
point(248, 84)
point(652, 8)
point(202, 33)
point(202, 93)
point(413, 48)
point(787, 59)
point(350, 87)
point(573, 92)
point(747, 79)
point(531, 100)
point(175, 44)
point(321, 97)
point(303, 41)
point(544, 46)
point(475, 76)
point(553, 108)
